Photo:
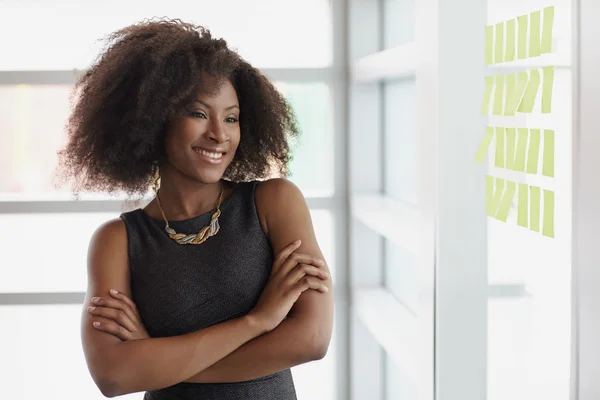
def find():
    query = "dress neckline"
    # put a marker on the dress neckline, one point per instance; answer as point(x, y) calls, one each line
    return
point(224, 203)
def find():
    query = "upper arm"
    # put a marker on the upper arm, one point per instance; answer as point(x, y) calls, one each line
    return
point(107, 268)
point(286, 218)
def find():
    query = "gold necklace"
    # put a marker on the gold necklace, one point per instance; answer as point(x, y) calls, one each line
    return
point(204, 233)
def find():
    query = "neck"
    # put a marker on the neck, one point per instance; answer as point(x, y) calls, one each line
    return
point(183, 198)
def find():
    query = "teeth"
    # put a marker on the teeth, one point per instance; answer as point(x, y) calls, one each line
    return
point(208, 154)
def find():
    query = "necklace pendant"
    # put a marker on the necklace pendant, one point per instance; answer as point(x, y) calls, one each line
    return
point(187, 239)
point(214, 226)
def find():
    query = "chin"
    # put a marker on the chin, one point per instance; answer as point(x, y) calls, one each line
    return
point(208, 177)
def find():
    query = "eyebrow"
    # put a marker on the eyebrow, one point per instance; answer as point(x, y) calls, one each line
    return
point(227, 109)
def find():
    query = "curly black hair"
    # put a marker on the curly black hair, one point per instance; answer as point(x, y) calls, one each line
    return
point(143, 81)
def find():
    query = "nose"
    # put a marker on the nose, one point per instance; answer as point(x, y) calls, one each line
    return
point(217, 132)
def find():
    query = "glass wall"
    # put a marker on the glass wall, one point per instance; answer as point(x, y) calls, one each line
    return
point(529, 312)
point(489, 298)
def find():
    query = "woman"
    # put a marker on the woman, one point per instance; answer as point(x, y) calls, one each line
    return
point(217, 287)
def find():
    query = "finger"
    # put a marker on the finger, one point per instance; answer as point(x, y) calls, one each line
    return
point(309, 282)
point(113, 329)
point(120, 296)
point(285, 253)
point(114, 303)
point(300, 258)
point(116, 315)
point(302, 270)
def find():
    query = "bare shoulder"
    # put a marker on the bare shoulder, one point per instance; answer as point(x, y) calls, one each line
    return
point(276, 196)
point(111, 227)
point(111, 233)
point(277, 191)
point(280, 204)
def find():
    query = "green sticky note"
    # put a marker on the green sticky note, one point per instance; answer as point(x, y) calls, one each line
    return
point(516, 94)
point(489, 86)
point(489, 193)
point(489, 44)
point(534, 151)
point(499, 159)
point(506, 201)
point(534, 34)
point(522, 217)
point(499, 95)
point(533, 85)
point(548, 158)
point(493, 194)
point(534, 207)
point(548, 226)
point(510, 80)
point(546, 46)
point(499, 45)
point(547, 89)
point(510, 148)
point(510, 41)
point(522, 44)
point(484, 145)
point(519, 164)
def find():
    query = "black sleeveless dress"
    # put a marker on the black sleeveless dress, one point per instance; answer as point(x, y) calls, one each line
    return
point(183, 288)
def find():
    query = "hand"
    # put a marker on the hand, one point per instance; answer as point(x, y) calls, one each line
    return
point(125, 321)
point(292, 274)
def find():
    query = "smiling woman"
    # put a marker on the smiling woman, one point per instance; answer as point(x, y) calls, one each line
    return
point(220, 277)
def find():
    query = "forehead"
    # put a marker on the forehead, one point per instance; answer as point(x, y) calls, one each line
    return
point(215, 90)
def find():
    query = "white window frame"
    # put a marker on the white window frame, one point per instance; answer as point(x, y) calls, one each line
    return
point(585, 384)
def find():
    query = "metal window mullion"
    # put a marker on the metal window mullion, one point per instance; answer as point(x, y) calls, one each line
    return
point(70, 77)
point(505, 291)
point(453, 309)
point(114, 206)
point(339, 99)
point(585, 202)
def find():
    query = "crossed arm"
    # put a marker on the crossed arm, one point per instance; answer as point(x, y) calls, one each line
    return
point(305, 335)
point(228, 352)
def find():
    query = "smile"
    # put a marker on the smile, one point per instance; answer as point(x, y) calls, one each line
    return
point(209, 156)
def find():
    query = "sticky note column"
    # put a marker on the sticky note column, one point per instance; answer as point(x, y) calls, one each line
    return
point(489, 44)
point(526, 150)
point(534, 211)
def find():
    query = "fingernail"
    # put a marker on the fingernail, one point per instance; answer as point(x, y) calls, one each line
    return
point(320, 262)
point(326, 289)
point(96, 324)
point(91, 308)
point(297, 241)
point(114, 291)
point(95, 299)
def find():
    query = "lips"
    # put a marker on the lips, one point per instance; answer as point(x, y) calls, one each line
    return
point(213, 156)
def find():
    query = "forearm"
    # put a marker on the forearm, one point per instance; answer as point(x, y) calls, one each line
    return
point(286, 346)
point(155, 363)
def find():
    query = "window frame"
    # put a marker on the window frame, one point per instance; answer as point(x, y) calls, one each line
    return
point(585, 325)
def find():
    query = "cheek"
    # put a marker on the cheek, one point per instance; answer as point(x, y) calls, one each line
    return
point(171, 146)
point(235, 142)
point(179, 136)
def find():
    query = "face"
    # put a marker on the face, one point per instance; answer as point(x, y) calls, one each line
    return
point(203, 143)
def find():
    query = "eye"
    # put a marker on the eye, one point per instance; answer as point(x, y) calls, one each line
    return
point(198, 114)
point(231, 120)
